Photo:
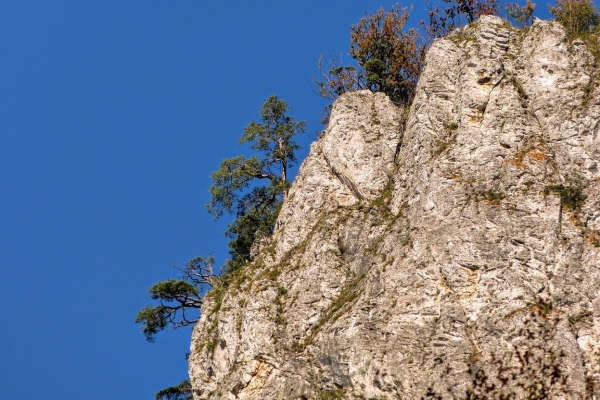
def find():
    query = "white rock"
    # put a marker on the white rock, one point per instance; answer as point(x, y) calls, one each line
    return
point(415, 251)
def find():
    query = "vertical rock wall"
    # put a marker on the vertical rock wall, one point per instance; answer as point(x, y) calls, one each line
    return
point(450, 250)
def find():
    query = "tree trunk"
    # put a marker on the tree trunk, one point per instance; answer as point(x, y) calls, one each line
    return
point(283, 170)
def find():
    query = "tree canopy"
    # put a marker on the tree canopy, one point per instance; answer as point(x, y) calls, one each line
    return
point(253, 188)
point(521, 14)
point(183, 391)
point(391, 56)
point(577, 16)
point(389, 59)
point(177, 298)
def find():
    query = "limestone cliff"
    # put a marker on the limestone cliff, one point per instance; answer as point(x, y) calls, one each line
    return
point(452, 251)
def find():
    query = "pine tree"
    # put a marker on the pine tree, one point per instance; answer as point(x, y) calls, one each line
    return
point(183, 391)
point(177, 298)
point(237, 190)
point(254, 188)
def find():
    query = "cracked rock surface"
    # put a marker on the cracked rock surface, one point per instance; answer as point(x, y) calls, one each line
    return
point(449, 251)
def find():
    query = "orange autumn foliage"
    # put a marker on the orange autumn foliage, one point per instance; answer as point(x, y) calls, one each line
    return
point(389, 59)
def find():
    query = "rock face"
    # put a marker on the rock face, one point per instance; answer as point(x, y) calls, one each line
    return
point(451, 252)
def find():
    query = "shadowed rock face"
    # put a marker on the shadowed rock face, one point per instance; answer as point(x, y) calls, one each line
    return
point(431, 251)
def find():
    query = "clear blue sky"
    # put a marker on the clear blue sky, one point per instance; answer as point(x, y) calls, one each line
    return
point(112, 116)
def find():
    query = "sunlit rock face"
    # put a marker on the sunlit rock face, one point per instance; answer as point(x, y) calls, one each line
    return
point(452, 250)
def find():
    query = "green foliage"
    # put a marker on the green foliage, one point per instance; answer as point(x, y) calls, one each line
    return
point(389, 57)
point(349, 293)
point(520, 90)
point(493, 197)
point(577, 16)
point(522, 15)
point(236, 187)
point(443, 144)
point(255, 218)
point(381, 205)
point(571, 198)
point(541, 306)
point(176, 298)
point(234, 175)
point(273, 136)
point(273, 139)
point(594, 48)
point(154, 320)
point(452, 126)
point(183, 391)
point(576, 319)
point(172, 290)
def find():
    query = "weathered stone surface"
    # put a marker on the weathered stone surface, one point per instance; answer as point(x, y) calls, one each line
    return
point(429, 251)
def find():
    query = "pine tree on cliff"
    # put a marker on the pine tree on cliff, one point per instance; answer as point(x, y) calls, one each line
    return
point(253, 190)
point(183, 391)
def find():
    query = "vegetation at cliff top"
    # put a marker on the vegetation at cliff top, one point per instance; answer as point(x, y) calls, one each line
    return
point(389, 59)
point(522, 15)
point(455, 14)
point(579, 17)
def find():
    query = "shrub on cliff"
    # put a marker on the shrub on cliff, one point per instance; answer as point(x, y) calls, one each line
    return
point(183, 391)
point(577, 16)
point(456, 14)
point(389, 59)
point(522, 15)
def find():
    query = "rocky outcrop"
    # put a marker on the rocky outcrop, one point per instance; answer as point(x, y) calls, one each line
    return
point(446, 252)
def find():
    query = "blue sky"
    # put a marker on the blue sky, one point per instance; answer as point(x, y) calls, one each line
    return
point(112, 116)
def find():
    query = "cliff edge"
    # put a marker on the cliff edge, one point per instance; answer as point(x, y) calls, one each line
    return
point(448, 251)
